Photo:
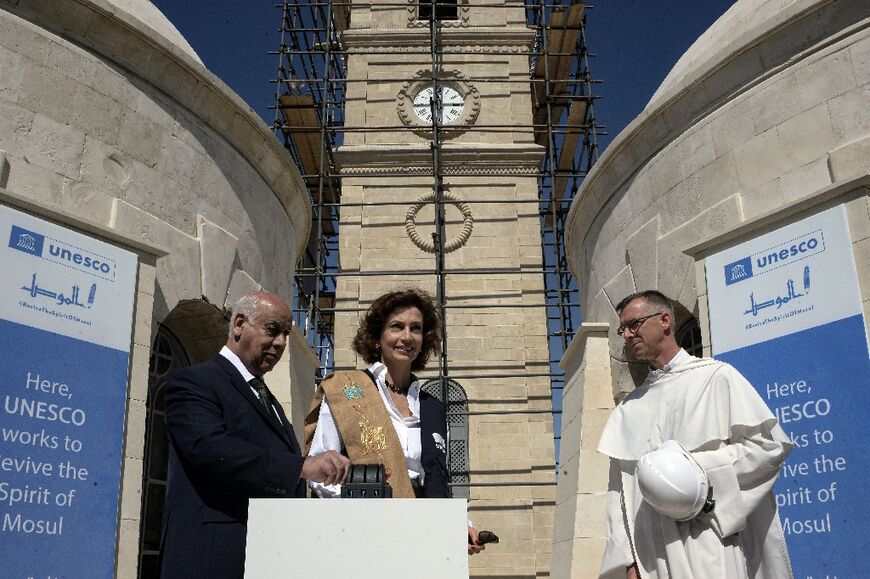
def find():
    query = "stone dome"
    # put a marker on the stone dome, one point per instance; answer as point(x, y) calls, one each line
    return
point(150, 16)
point(740, 26)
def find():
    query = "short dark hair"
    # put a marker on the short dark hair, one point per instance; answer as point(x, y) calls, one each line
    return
point(367, 340)
point(652, 297)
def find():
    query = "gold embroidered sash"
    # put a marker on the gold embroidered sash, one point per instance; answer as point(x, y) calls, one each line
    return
point(365, 427)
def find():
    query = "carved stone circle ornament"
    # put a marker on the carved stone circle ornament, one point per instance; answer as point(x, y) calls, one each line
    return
point(427, 245)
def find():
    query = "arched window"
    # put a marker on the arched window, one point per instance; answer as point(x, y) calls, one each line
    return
point(457, 421)
point(689, 338)
point(166, 355)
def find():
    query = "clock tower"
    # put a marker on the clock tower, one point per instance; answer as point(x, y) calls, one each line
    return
point(439, 190)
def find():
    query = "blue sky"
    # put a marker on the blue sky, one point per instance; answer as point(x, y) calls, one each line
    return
point(636, 42)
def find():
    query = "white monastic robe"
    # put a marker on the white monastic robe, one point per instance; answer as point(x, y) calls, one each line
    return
point(711, 409)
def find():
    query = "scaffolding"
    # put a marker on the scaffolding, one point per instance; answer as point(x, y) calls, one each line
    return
point(310, 97)
point(315, 120)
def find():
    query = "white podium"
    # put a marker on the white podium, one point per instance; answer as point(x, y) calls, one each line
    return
point(357, 538)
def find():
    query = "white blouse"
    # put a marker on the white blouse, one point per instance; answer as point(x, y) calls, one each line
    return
point(327, 437)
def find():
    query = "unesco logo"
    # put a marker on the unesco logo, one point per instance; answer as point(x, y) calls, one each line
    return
point(796, 249)
point(26, 241)
point(60, 252)
point(738, 270)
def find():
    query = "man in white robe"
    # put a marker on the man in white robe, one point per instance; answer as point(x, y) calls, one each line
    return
point(716, 414)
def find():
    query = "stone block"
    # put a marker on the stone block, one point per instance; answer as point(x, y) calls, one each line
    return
point(569, 447)
point(217, 254)
point(662, 173)
point(621, 285)
point(598, 387)
point(47, 92)
point(104, 166)
point(593, 471)
point(240, 284)
point(142, 139)
point(704, 322)
point(765, 198)
point(807, 136)
point(862, 263)
point(177, 160)
point(23, 39)
point(732, 127)
point(147, 278)
point(140, 357)
point(693, 104)
point(696, 150)
point(680, 204)
point(760, 161)
point(11, 73)
point(143, 329)
point(142, 191)
point(587, 557)
point(825, 78)
point(717, 180)
point(128, 549)
point(96, 114)
point(733, 75)
point(54, 146)
point(806, 179)
point(563, 558)
point(591, 519)
point(29, 180)
point(777, 100)
point(70, 60)
point(849, 116)
point(134, 445)
point(850, 159)
point(15, 124)
point(87, 201)
point(641, 247)
point(131, 489)
point(859, 54)
point(177, 273)
point(858, 215)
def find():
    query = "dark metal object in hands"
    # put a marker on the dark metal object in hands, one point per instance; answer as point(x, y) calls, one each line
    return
point(366, 481)
point(484, 537)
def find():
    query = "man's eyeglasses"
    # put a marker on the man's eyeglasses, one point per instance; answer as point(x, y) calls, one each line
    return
point(635, 324)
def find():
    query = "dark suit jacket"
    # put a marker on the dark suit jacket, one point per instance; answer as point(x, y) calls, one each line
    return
point(223, 449)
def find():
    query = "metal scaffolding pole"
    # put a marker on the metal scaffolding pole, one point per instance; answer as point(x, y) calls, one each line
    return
point(310, 90)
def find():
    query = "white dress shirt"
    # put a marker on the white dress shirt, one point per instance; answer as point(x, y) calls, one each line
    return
point(327, 437)
point(246, 375)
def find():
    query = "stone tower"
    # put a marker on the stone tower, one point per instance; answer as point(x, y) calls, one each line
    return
point(483, 161)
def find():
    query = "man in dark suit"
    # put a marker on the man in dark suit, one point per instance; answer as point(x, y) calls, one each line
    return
point(230, 441)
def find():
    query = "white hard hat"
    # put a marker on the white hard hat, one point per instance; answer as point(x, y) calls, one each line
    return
point(673, 482)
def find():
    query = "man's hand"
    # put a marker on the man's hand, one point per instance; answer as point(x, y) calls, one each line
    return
point(328, 467)
point(631, 572)
point(473, 547)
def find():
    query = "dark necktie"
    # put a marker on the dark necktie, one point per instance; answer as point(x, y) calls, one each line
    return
point(264, 394)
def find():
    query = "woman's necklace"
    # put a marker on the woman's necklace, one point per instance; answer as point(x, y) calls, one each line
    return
point(395, 388)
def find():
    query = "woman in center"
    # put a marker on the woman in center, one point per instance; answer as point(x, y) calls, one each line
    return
point(351, 410)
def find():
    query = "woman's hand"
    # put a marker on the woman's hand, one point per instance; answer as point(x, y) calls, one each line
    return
point(631, 572)
point(473, 547)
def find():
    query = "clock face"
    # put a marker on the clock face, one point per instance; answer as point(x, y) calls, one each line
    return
point(452, 104)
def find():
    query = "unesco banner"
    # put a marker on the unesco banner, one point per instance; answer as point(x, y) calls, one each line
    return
point(66, 311)
point(785, 309)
